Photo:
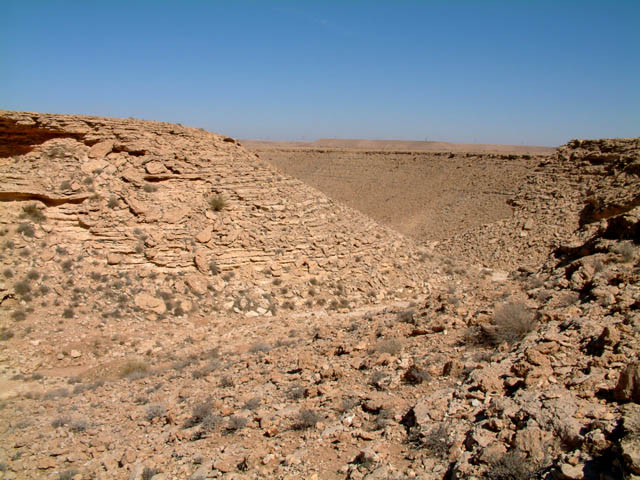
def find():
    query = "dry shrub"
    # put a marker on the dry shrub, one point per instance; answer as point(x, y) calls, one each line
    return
point(133, 369)
point(306, 419)
point(390, 346)
point(33, 213)
point(217, 203)
point(512, 466)
point(511, 323)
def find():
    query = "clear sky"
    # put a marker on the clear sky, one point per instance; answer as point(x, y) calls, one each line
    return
point(532, 72)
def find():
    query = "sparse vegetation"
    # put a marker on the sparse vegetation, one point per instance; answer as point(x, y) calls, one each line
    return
point(60, 422)
point(206, 370)
point(68, 474)
point(407, 316)
point(68, 312)
point(227, 381)
point(252, 403)
point(236, 423)
point(435, 441)
point(626, 252)
point(155, 411)
point(511, 466)
point(150, 188)
point(5, 334)
point(134, 369)
point(33, 275)
point(78, 426)
point(19, 315)
point(22, 288)
point(390, 346)
point(296, 392)
point(306, 419)
point(112, 202)
point(416, 375)
point(379, 380)
point(33, 213)
point(511, 322)
point(217, 203)
point(26, 229)
point(148, 473)
point(259, 347)
point(213, 267)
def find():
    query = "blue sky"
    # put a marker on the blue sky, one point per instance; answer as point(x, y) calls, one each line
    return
point(521, 72)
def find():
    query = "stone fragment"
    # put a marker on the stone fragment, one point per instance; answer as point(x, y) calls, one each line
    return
point(630, 447)
point(101, 149)
point(150, 303)
point(200, 260)
point(628, 387)
point(136, 206)
point(570, 472)
point(114, 259)
point(174, 215)
point(93, 165)
point(205, 235)
point(197, 283)
point(155, 168)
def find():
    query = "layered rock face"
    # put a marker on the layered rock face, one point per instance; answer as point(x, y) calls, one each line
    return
point(135, 197)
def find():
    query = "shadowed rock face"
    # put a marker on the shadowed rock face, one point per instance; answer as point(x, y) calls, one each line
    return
point(20, 135)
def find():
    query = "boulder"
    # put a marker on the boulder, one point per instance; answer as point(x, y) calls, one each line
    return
point(150, 303)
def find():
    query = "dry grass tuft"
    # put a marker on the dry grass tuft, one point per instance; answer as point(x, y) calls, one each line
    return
point(217, 203)
point(511, 323)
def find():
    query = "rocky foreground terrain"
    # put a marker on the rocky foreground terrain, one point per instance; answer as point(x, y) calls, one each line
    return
point(172, 306)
